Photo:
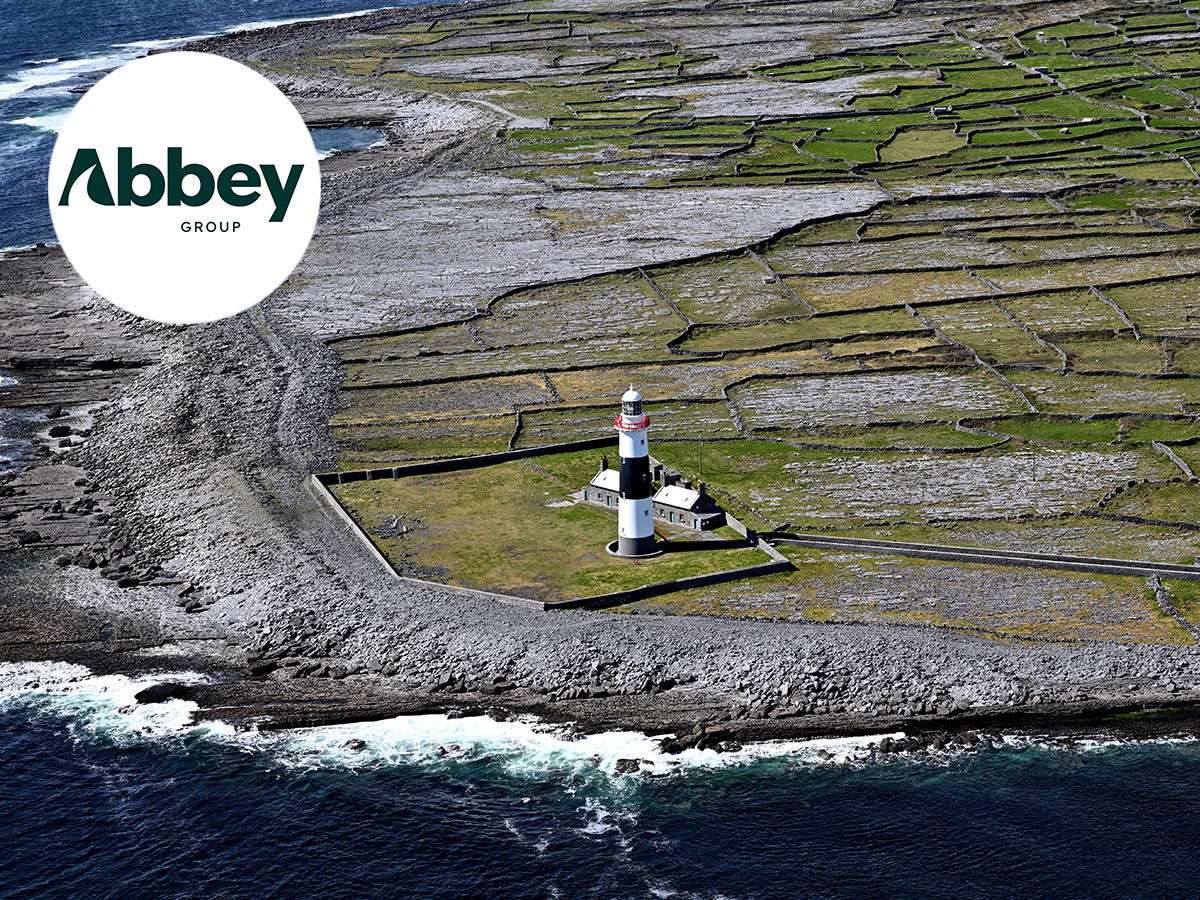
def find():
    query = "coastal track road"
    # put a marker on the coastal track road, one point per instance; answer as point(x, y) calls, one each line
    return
point(951, 553)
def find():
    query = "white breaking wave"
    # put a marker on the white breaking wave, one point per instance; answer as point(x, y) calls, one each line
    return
point(523, 749)
point(275, 23)
point(51, 120)
point(102, 706)
point(602, 820)
point(58, 74)
point(1088, 744)
point(54, 77)
point(526, 750)
point(325, 154)
point(60, 71)
point(54, 71)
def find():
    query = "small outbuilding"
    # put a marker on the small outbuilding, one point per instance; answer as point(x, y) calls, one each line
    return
point(677, 502)
point(691, 507)
point(605, 488)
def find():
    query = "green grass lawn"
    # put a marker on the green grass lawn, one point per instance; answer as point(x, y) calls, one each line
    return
point(1117, 355)
point(1162, 502)
point(1186, 596)
point(1135, 429)
point(891, 437)
point(1002, 602)
point(547, 350)
point(774, 334)
point(920, 143)
point(512, 528)
point(374, 446)
point(1043, 428)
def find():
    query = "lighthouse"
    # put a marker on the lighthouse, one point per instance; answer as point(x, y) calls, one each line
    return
point(635, 516)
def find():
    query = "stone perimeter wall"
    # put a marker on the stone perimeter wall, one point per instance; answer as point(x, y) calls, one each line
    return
point(1096, 565)
point(320, 483)
point(778, 563)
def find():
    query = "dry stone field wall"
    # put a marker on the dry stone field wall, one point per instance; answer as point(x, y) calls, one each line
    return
point(897, 266)
point(620, 94)
point(878, 370)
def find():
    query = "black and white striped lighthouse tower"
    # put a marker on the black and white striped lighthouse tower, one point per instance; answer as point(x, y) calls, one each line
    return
point(635, 518)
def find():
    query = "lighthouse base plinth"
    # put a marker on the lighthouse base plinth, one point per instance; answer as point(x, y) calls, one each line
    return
point(636, 548)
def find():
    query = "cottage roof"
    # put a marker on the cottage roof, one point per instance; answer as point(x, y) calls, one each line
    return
point(679, 497)
point(608, 479)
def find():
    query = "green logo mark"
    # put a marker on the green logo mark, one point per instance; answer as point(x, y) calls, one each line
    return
point(235, 184)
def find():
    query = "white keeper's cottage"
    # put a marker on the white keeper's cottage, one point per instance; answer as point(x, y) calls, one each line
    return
point(677, 502)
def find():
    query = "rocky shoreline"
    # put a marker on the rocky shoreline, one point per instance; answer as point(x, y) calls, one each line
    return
point(168, 528)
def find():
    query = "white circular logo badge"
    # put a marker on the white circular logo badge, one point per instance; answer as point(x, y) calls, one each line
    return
point(184, 187)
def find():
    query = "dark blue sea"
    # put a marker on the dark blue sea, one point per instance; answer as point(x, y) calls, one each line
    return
point(107, 799)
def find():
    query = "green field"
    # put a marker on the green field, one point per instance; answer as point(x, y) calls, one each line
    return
point(512, 528)
point(995, 347)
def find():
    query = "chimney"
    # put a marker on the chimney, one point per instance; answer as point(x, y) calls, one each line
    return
point(604, 464)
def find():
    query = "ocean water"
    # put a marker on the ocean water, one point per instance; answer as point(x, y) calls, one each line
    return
point(49, 52)
point(104, 798)
point(331, 140)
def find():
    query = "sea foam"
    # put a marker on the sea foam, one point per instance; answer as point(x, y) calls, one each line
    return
point(522, 749)
point(101, 706)
point(51, 120)
point(58, 73)
point(276, 23)
point(55, 72)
